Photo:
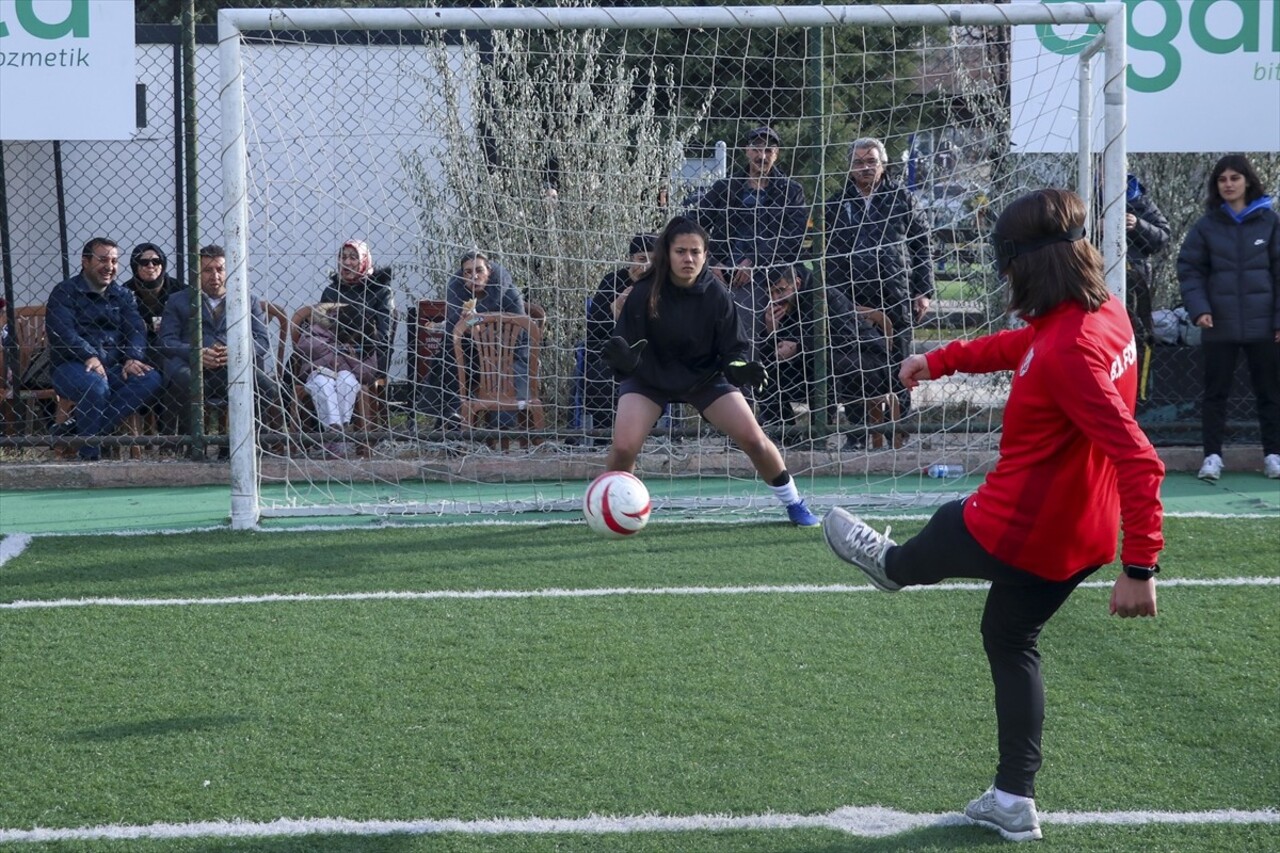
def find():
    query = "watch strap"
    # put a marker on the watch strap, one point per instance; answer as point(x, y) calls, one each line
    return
point(1141, 573)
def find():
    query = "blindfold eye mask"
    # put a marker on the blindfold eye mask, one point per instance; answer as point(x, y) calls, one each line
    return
point(1007, 250)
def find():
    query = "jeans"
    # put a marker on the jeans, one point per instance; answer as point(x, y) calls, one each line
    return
point(102, 403)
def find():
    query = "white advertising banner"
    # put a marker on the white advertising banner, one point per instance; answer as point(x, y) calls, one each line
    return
point(1203, 76)
point(66, 69)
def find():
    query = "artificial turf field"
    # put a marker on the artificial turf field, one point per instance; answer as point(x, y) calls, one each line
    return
point(532, 687)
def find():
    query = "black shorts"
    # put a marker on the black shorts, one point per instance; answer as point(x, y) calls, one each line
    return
point(700, 398)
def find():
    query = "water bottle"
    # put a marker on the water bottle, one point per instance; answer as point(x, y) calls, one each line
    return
point(939, 471)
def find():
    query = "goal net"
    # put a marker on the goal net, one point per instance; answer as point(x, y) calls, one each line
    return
point(370, 158)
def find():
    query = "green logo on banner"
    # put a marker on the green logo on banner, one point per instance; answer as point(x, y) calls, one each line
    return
point(1247, 38)
point(75, 24)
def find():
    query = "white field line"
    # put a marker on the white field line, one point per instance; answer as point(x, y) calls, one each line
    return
point(604, 592)
point(864, 821)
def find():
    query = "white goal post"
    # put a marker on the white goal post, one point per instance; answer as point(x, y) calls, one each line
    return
point(251, 203)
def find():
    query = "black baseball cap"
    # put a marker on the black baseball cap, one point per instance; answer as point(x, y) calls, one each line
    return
point(763, 132)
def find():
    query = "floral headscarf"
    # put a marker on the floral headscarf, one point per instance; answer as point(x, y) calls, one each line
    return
point(365, 266)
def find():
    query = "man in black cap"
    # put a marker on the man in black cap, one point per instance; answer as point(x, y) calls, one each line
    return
point(756, 218)
point(599, 393)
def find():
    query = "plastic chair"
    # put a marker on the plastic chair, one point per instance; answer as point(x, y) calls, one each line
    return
point(487, 379)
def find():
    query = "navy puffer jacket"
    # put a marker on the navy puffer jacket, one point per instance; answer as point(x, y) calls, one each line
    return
point(1229, 267)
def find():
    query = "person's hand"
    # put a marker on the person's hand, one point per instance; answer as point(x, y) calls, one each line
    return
point(1205, 321)
point(93, 364)
point(133, 367)
point(621, 356)
point(1130, 221)
point(742, 273)
point(921, 307)
point(787, 350)
point(619, 301)
point(746, 374)
point(214, 356)
point(914, 371)
point(1130, 597)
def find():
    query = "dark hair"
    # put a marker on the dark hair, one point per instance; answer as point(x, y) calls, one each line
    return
point(474, 255)
point(213, 250)
point(660, 269)
point(95, 243)
point(641, 244)
point(1253, 189)
point(1051, 265)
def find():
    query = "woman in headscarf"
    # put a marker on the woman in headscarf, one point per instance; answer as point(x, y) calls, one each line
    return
point(151, 285)
point(358, 283)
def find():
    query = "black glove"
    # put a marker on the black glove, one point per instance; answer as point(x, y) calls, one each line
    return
point(749, 374)
point(621, 356)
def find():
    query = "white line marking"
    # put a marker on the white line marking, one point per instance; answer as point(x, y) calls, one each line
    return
point(604, 592)
point(863, 821)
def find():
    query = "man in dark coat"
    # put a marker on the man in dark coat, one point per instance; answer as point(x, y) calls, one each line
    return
point(878, 249)
point(756, 219)
point(97, 346)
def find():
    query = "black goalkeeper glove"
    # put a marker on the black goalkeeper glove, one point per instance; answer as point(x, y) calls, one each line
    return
point(621, 356)
point(746, 374)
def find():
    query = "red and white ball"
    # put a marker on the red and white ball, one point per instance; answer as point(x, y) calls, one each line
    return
point(616, 504)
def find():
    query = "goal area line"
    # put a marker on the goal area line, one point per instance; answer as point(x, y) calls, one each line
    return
point(861, 821)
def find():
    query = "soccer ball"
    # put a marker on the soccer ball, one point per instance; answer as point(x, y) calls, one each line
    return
point(616, 504)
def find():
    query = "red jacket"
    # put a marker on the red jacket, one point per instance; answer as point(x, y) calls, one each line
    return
point(1073, 461)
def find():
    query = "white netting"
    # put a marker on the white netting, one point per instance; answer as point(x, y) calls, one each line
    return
point(547, 149)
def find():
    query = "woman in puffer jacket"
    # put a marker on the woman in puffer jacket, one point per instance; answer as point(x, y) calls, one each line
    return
point(1229, 274)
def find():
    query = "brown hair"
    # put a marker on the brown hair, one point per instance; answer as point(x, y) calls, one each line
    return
point(660, 268)
point(1052, 262)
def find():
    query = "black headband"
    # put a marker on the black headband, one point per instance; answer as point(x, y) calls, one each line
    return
point(1007, 250)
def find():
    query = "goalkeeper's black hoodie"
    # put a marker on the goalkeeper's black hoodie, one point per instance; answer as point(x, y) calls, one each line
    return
point(696, 334)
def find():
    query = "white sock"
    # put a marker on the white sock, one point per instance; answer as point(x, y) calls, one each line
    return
point(786, 492)
point(1007, 801)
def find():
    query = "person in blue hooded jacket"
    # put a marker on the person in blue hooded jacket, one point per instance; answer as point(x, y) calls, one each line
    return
point(1229, 274)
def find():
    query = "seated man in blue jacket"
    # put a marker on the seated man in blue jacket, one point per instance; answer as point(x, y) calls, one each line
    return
point(175, 340)
point(97, 346)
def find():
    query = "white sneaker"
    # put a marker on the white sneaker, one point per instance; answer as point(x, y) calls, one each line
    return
point(1016, 823)
point(1212, 467)
point(1271, 466)
point(854, 541)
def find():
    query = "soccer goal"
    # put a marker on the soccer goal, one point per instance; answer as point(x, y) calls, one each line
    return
point(545, 139)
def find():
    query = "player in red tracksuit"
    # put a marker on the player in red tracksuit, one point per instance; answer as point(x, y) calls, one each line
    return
point(1073, 467)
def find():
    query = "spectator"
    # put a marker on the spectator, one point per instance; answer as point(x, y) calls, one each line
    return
point(476, 289)
point(358, 283)
point(337, 359)
point(679, 338)
point(97, 346)
point(859, 363)
point(1073, 464)
point(1229, 274)
point(599, 387)
point(1147, 232)
point(151, 286)
point(786, 347)
point(176, 343)
point(878, 249)
point(756, 219)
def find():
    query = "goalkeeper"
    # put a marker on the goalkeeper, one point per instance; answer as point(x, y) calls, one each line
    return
point(678, 339)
